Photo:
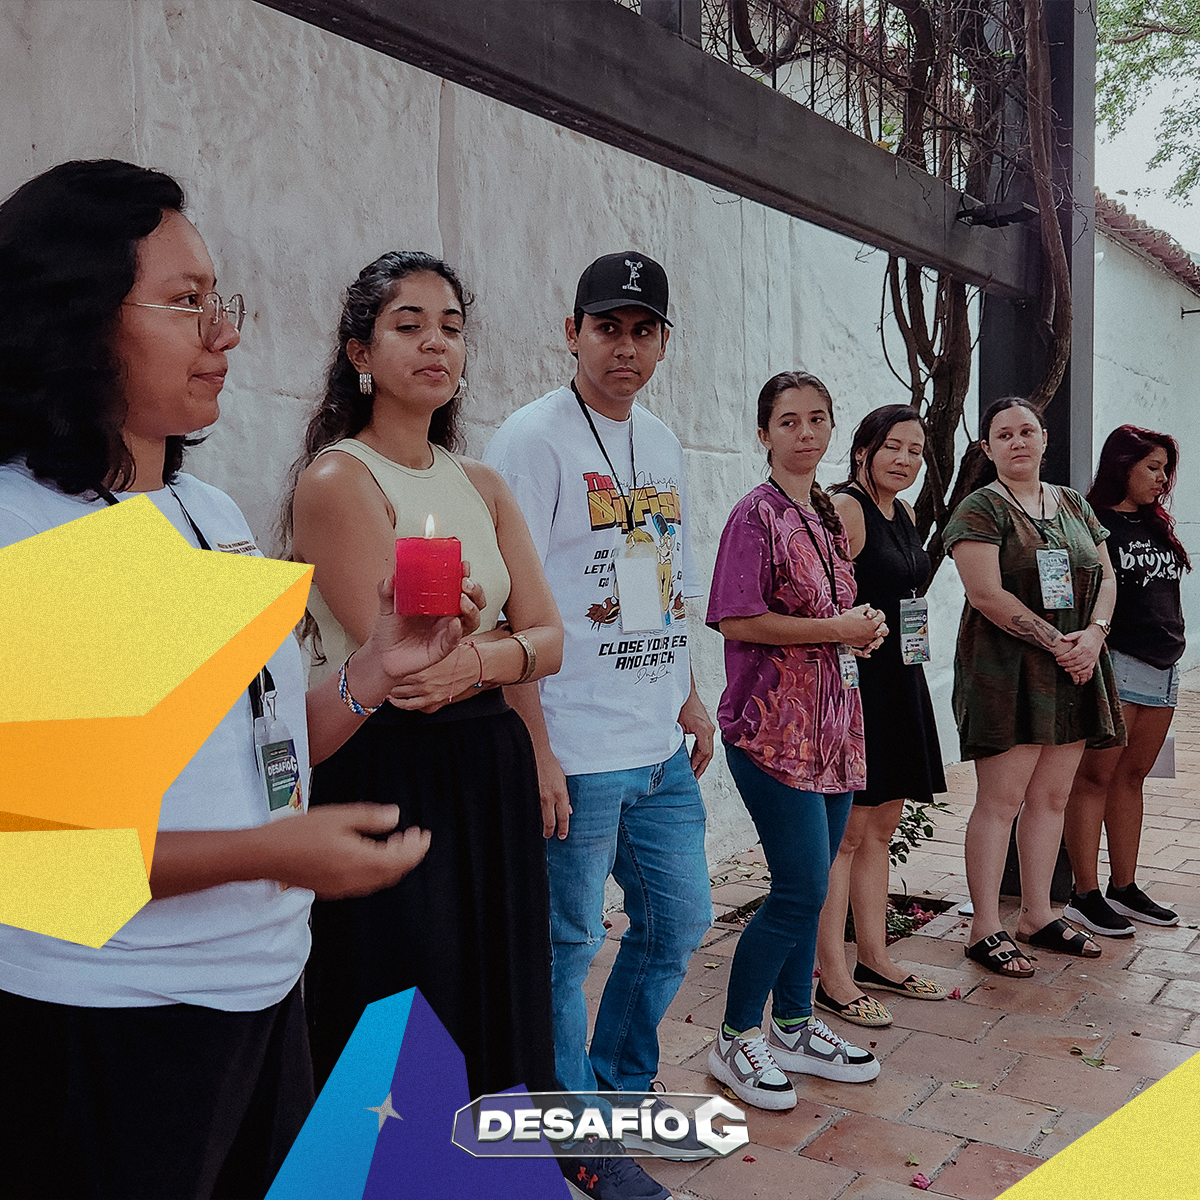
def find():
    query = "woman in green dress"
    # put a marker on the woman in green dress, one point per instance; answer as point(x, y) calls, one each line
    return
point(1032, 680)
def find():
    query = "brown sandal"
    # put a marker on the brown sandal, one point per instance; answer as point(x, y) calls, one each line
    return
point(994, 951)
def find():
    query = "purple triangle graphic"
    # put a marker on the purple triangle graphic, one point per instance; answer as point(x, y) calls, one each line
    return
point(415, 1158)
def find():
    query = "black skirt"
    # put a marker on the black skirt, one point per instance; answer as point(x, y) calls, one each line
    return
point(470, 926)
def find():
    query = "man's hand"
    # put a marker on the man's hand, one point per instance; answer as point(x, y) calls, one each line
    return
point(694, 719)
point(556, 800)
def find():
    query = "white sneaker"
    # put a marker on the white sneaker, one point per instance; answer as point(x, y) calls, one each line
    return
point(746, 1065)
point(814, 1049)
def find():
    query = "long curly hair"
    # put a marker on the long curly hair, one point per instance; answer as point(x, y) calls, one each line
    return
point(344, 411)
point(68, 258)
point(1123, 449)
point(771, 391)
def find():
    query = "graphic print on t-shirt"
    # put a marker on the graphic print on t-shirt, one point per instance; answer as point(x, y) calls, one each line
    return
point(655, 534)
point(1144, 561)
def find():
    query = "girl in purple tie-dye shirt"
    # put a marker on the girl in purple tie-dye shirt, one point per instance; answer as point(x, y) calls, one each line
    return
point(791, 719)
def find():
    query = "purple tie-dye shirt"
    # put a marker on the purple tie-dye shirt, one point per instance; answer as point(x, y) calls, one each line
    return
point(786, 706)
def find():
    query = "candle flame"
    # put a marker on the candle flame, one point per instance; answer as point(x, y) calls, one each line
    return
point(429, 526)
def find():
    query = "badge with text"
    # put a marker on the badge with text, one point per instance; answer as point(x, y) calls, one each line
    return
point(278, 766)
point(639, 590)
point(1054, 573)
point(914, 630)
point(847, 667)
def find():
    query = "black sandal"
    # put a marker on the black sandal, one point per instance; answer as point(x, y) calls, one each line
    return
point(994, 951)
point(1063, 938)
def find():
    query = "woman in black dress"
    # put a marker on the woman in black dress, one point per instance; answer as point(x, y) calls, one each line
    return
point(904, 760)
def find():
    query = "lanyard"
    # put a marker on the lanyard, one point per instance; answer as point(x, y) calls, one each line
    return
point(1038, 523)
point(627, 498)
point(262, 684)
point(904, 545)
point(826, 565)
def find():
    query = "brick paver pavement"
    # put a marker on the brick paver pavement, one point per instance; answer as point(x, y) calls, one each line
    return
point(974, 1093)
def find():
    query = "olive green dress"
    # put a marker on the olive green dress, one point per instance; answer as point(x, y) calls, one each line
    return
point(1007, 692)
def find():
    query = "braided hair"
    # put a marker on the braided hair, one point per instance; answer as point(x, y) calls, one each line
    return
point(771, 391)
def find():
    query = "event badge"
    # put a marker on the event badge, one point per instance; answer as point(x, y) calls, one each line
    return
point(847, 667)
point(1054, 572)
point(639, 589)
point(278, 766)
point(914, 630)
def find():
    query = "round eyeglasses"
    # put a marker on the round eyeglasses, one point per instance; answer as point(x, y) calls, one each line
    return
point(209, 313)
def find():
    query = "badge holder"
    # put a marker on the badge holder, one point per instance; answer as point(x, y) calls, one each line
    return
point(274, 751)
point(848, 667)
point(914, 631)
point(639, 589)
point(1054, 574)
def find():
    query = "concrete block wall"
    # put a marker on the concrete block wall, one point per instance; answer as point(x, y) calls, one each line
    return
point(305, 156)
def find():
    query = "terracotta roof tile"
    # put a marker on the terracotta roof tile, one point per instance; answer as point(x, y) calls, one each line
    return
point(1113, 220)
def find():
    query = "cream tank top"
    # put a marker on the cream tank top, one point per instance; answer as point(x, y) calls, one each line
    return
point(458, 511)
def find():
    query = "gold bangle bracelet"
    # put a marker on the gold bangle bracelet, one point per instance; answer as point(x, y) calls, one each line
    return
point(530, 657)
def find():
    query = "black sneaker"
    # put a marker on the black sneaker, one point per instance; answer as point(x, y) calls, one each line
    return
point(1132, 902)
point(1090, 911)
point(685, 1149)
point(613, 1178)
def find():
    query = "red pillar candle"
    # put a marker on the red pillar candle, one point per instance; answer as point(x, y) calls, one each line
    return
point(428, 574)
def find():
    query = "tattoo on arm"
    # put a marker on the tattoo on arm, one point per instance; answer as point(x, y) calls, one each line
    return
point(1033, 630)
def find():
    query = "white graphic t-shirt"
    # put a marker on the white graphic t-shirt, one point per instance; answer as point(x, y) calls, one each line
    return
point(614, 705)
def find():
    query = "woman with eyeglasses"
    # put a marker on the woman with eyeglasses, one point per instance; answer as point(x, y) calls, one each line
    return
point(1130, 492)
point(1032, 679)
point(172, 1061)
point(470, 926)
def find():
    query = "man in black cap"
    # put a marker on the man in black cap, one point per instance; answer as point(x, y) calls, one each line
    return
point(601, 483)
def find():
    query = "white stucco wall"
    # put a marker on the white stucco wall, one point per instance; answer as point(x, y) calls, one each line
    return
point(1147, 373)
point(305, 156)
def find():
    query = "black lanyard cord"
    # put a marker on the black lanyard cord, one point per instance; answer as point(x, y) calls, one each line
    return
point(626, 498)
point(1038, 523)
point(827, 566)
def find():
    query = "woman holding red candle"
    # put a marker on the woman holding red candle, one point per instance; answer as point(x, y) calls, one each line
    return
point(378, 477)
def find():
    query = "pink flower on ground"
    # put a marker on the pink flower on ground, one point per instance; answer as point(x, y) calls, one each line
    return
point(919, 1181)
point(955, 995)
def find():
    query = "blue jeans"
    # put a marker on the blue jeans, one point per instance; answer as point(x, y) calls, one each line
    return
point(646, 827)
point(800, 834)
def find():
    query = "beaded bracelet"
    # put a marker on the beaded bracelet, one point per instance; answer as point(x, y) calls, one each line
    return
point(359, 710)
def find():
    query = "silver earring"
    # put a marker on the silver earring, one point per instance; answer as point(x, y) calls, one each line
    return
point(461, 390)
point(366, 384)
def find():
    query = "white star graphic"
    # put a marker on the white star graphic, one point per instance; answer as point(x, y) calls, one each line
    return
point(386, 1110)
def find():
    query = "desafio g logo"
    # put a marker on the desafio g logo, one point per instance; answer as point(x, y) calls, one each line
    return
point(561, 1124)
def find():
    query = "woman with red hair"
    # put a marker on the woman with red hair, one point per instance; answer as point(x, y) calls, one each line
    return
point(1134, 478)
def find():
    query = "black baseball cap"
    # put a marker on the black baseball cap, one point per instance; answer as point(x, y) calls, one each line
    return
point(621, 281)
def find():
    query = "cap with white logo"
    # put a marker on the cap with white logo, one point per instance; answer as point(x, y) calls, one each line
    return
point(622, 280)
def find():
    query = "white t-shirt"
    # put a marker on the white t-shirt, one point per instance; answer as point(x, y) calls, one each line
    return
point(614, 705)
point(239, 947)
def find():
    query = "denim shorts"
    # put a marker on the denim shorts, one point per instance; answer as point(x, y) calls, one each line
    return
point(1140, 683)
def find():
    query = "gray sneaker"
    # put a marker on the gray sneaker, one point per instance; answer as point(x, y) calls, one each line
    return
point(746, 1065)
point(814, 1049)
